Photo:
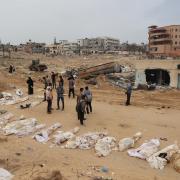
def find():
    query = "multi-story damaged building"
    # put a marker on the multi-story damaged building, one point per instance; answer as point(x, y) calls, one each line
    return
point(63, 48)
point(164, 41)
point(99, 44)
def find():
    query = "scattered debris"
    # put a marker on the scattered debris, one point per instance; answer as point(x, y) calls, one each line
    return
point(86, 141)
point(94, 71)
point(146, 149)
point(36, 66)
point(121, 80)
point(127, 143)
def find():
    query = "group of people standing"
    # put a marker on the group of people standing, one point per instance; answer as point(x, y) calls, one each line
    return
point(84, 98)
point(49, 85)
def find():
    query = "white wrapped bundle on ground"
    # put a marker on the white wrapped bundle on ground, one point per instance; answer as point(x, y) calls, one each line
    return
point(27, 130)
point(4, 119)
point(19, 92)
point(5, 175)
point(61, 136)
point(9, 99)
point(43, 136)
point(86, 141)
point(146, 149)
point(127, 143)
point(161, 158)
point(104, 146)
point(21, 127)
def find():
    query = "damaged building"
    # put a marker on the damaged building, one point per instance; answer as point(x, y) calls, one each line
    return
point(164, 41)
point(164, 73)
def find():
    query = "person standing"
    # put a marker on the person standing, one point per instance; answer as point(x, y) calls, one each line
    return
point(71, 86)
point(60, 96)
point(61, 80)
point(45, 86)
point(30, 83)
point(88, 96)
point(128, 93)
point(81, 109)
point(48, 80)
point(49, 98)
point(79, 96)
point(53, 78)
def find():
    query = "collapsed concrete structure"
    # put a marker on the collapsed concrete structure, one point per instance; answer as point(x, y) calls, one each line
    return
point(162, 73)
point(141, 73)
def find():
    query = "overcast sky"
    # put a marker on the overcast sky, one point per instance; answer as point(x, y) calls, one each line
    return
point(42, 20)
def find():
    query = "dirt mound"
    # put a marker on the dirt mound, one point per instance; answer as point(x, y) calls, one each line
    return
point(54, 175)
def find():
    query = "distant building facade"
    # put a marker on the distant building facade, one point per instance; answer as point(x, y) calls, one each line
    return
point(99, 44)
point(164, 41)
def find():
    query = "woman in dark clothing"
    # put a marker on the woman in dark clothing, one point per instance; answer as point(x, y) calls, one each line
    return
point(30, 85)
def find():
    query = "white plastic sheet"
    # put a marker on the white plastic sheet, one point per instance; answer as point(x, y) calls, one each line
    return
point(5, 175)
point(158, 162)
point(21, 127)
point(43, 136)
point(145, 150)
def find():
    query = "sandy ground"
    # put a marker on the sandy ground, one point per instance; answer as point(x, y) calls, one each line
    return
point(155, 114)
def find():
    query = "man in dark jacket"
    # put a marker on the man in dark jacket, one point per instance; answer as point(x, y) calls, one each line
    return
point(60, 96)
